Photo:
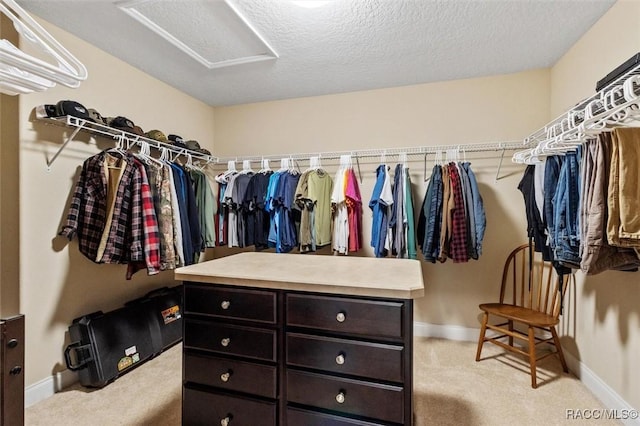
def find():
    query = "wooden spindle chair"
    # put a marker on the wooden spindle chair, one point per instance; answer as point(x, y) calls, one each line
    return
point(531, 294)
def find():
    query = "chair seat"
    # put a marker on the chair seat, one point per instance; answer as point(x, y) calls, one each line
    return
point(518, 313)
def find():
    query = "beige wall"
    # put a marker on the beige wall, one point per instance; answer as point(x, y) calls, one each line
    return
point(602, 330)
point(58, 284)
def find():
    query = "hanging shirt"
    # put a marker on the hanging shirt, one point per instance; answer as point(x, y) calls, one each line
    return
point(305, 239)
point(87, 214)
point(459, 232)
point(205, 207)
point(480, 219)
point(412, 253)
point(241, 183)
point(254, 204)
point(396, 222)
point(160, 189)
point(377, 212)
point(177, 224)
point(354, 211)
point(447, 210)
point(340, 238)
point(320, 190)
point(181, 191)
point(149, 222)
point(432, 211)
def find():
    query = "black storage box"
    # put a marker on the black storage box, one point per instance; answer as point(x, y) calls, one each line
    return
point(626, 66)
point(107, 345)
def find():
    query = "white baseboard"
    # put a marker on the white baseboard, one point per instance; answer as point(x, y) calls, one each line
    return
point(47, 387)
point(609, 398)
point(601, 390)
point(449, 332)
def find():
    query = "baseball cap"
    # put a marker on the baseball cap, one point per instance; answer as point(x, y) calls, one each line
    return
point(157, 135)
point(72, 108)
point(46, 111)
point(192, 145)
point(177, 141)
point(96, 116)
point(123, 123)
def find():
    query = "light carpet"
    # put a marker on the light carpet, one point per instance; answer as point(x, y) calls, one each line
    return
point(450, 388)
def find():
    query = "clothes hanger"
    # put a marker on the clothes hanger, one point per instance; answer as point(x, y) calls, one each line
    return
point(246, 167)
point(231, 168)
point(265, 166)
point(28, 71)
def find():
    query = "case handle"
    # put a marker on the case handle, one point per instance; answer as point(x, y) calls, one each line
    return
point(82, 362)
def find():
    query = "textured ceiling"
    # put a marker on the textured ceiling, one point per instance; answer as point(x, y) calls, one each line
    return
point(259, 50)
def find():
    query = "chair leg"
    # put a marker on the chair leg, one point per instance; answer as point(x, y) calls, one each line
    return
point(556, 341)
point(532, 357)
point(483, 330)
point(511, 329)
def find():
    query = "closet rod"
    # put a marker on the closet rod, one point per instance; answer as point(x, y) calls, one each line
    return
point(92, 127)
point(379, 152)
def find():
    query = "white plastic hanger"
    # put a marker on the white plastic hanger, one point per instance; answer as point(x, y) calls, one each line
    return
point(23, 73)
point(265, 166)
point(246, 167)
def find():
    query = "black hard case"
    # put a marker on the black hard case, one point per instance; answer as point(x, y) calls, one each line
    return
point(107, 345)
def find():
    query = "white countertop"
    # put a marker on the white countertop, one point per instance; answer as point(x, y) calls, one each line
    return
point(344, 275)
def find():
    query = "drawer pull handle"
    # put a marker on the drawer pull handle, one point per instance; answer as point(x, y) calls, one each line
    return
point(340, 397)
point(225, 304)
point(225, 376)
point(225, 342)
point(226, 421)
point(340, 359)
point(341, 317)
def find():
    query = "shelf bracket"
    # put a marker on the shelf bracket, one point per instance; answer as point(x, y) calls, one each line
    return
point(62, 147)
point(499, 166)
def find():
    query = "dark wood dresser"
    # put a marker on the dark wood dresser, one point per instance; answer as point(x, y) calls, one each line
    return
point(298, 340)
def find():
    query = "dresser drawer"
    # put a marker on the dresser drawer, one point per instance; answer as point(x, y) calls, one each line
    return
point(371, 360)
point(204, 408)
point(344, 315)
point(296, 417)
point(230, 339)
point(224, 373)
point(239, 304)
point(374, 400)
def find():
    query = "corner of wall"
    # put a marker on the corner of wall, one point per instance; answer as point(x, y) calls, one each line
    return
point(9, 193)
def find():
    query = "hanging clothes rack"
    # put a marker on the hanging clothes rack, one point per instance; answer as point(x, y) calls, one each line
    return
point(383, 152)
point(131, 138)
point(615, 105)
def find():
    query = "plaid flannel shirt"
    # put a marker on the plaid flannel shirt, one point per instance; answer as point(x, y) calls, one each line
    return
point(459, 232)
point(86, 218)
point(149, 223)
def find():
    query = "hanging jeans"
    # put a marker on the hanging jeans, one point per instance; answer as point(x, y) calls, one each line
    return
point(551, 177)
point(566, 208)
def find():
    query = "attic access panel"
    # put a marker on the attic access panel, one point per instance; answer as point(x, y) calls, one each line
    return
point(214, 33)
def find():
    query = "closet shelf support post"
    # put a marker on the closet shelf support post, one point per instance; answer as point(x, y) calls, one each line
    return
point(62, 147)
point(499, 166)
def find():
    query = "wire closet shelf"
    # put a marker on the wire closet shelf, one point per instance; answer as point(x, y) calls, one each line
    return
point(130, 139)
point(615, 105)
